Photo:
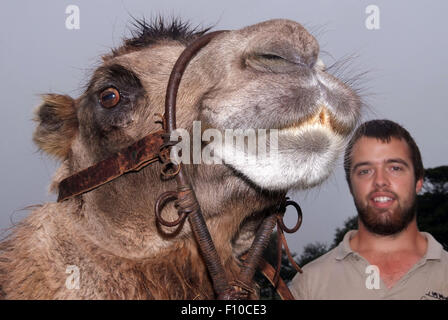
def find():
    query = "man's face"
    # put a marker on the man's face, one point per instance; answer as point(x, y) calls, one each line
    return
point(383, 184)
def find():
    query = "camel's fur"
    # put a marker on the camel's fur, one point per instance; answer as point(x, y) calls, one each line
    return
point(110, 233)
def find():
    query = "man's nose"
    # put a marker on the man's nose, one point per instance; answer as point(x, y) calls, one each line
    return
point(381, 178)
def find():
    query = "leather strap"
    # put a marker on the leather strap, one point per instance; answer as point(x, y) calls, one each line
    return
point(280, 286)
point(132, 158)
point(270, 273)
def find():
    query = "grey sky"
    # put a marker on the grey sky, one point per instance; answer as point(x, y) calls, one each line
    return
point(406, 59)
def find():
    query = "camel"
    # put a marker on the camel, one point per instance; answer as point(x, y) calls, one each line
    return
point(266, 75)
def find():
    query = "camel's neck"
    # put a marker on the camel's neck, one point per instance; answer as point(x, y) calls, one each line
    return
point(120, 214)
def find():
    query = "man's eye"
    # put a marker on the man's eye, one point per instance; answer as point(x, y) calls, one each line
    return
point(396, 168)
point(363, 172)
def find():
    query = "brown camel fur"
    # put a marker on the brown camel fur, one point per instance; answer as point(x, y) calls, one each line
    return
point(266, 75)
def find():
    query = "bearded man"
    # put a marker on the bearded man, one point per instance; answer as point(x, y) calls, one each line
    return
point(387, 257)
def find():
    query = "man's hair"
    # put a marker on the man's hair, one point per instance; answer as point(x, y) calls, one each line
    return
point(384, 130)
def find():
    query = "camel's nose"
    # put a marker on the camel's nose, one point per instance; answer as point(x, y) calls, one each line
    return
point(285, 39)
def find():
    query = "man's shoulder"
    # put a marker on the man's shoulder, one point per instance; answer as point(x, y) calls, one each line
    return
point(316, 276)
point(444, 255)
point(444, 259)
point(435, 249)
point(330, 258)
point(323, 262)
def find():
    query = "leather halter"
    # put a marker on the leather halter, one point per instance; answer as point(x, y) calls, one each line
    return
point(156, 147)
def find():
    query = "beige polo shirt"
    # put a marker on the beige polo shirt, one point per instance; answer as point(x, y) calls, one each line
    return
point(344, 274)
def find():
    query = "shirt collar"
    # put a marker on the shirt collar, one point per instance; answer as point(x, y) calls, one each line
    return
point(344, 249)
point(433, 252)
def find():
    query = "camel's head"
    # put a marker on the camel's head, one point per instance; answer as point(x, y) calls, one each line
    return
point(269, 76)
point(265, 76)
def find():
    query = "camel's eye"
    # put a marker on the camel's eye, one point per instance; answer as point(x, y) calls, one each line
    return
point(271, 57)
point(270, 62)
point(109, 97)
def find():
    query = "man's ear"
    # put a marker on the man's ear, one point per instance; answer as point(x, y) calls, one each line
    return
point(419, 185)
point(57, 125)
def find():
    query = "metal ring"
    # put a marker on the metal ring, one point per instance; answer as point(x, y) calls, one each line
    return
point(299, 217)
point(161, 200)
point(165, 170)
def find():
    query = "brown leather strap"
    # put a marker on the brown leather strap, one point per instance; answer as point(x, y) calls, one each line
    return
point(280, 286)
point(270, 273)
point(132, 158)
point(281, 240)
point(254, 255)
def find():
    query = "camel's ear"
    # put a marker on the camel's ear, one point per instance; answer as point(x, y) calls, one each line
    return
point(57, 124)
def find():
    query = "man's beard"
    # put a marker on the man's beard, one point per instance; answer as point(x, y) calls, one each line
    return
point(386, 223)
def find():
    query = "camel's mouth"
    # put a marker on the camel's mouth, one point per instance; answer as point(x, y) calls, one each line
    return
point(322, 118)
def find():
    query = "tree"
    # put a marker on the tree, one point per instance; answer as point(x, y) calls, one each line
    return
point(433, 204)
point(349, 224)
point(312, 251)
point(436, 181)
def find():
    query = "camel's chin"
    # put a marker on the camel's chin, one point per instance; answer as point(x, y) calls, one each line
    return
point(306, 157)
